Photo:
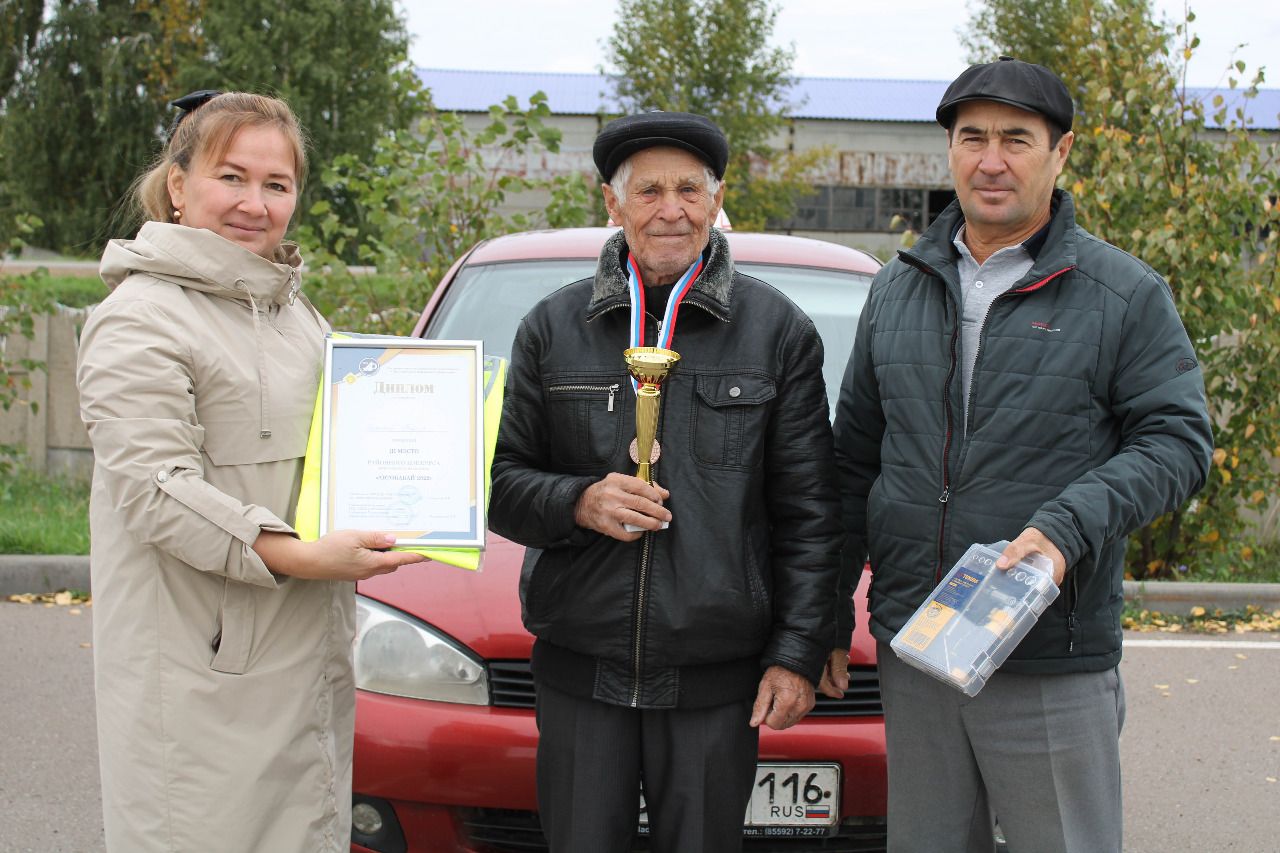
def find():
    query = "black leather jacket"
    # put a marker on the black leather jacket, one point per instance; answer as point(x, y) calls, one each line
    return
point(745, 576)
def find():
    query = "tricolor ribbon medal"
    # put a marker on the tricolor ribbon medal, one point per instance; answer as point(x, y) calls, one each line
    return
point(649, 366)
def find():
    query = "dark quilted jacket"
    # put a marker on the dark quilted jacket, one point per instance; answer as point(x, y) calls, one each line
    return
point(745, 577)
point(1087, 421)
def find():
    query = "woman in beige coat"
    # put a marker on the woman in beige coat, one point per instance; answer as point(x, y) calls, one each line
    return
point(222, 643)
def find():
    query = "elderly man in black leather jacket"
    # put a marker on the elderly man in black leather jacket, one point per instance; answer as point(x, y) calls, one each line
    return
point(661, 649)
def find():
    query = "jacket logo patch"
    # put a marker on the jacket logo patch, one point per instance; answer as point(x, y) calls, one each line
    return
point(1185, 364)
point(1043, 327)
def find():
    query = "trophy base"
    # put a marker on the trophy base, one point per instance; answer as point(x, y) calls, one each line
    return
point(632, 528)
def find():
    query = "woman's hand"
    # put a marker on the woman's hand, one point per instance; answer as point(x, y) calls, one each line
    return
point(343, 555)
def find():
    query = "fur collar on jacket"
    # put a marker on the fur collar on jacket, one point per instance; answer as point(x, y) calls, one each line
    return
point(712, 290)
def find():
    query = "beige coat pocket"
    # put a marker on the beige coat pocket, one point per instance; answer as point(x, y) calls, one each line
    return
point(234, 638)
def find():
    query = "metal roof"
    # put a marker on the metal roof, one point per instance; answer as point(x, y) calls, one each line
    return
point(843, 98)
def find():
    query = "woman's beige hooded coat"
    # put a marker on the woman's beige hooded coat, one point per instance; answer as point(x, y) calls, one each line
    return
point(225, 694)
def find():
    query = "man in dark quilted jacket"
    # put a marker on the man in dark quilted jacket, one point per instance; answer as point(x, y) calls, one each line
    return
point(1013, 378)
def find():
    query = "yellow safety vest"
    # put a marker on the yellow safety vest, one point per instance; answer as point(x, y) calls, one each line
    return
point(307, 520)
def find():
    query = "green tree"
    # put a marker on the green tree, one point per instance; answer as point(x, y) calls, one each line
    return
point(713, 57)
point(1186, 186)
point(340, 64)
point(22, 297)
point(427, 195)
point(78, 124)
point(19, 27)
point(86, 111)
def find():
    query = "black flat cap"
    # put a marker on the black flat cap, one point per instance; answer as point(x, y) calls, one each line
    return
point(625, 136)
point(1010, 81)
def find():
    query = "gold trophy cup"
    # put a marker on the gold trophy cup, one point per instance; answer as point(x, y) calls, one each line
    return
point(650, 366)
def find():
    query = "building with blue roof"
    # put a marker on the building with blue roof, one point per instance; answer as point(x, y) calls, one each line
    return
point(888, 160)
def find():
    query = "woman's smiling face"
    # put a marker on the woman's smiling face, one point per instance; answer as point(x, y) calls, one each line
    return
point(248, 196)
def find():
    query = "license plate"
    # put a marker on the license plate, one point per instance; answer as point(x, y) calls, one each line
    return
point(788, 797)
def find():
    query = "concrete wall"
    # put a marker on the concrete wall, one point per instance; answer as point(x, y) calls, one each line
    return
point(45, 422)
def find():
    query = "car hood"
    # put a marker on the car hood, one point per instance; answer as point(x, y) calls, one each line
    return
point(479, 609)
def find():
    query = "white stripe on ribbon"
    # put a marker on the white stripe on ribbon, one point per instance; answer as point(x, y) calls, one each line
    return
point(667, 327)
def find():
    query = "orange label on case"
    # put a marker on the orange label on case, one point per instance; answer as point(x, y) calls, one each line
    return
point(999, 622)
point(924, 629)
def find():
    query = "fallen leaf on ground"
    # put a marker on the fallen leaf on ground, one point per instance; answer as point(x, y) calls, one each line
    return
point(1241, 657)
point(75, 611)
point(1160, 686)
point(1193, 681)
point(1197, 611)
point(86, 645)
point(62, 597)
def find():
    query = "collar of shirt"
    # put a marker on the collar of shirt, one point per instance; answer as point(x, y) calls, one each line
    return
point(1032, 244)
point(1010, 257)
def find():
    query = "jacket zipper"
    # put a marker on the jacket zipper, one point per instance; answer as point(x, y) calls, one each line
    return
point(641, 589)
point(642, 583)
point(1072, 622)
point(612, 389)
point(946, 399)
point(946, 460)
point(945, 495)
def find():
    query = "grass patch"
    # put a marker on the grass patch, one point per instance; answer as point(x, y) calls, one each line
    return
point(75, 291)
point(350, 301)
point(39, 515)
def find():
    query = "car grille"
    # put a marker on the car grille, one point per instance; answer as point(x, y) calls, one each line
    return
point(512, 686)
point(509, 831)
point(861, 699)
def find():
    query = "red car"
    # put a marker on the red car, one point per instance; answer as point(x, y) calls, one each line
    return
point(445, 734)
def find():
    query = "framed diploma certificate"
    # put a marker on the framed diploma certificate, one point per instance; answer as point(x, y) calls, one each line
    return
point(402, 444)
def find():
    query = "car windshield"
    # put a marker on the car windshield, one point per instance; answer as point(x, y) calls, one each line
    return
point(487, 301)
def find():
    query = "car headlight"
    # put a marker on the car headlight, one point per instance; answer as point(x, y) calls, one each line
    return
point(398, 655)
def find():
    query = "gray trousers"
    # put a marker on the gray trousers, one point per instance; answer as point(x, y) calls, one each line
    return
point(1038, 753)
point(697, 767)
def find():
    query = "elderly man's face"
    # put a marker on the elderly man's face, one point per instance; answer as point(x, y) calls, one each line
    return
point(665, 211)
point(1004, 167)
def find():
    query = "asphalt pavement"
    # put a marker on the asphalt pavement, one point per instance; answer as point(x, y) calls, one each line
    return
point(1201, 745)
point(1200, 750)
point(50, 799)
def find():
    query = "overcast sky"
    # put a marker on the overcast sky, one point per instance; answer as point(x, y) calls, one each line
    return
point(909, 39)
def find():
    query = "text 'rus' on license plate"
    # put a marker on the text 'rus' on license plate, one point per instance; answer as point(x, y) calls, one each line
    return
point(789, 795)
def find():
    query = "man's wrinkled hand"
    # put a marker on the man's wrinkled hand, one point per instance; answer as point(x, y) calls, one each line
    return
point(783, 699)
point(835, 675)
point(1032, 541)
point(606, 505)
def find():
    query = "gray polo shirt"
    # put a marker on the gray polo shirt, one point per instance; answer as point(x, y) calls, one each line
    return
point(979, 287)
